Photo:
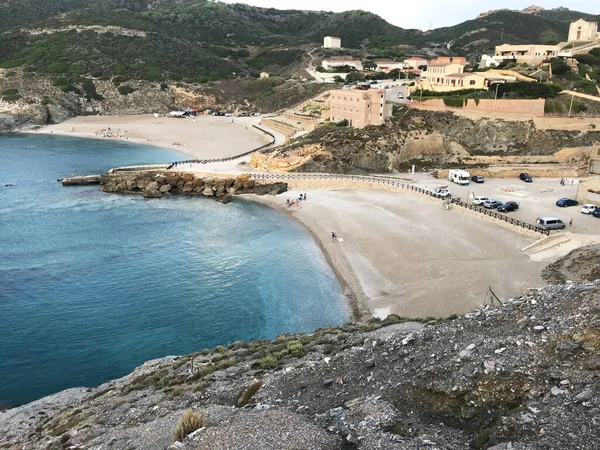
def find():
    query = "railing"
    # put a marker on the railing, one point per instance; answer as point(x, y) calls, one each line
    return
point(502, 217)
point(229, 158)
point(401, 185)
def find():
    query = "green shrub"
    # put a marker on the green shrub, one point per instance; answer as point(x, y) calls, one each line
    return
point(28, 76)
point(343, 123)
point(524, 89)
point(457, 102)
point(268, 362)
point(125, 90)
point(58, 67)
point(559, 67)
point(11, 64)
point(61, 81)
point(46, 100)
point(295, 347)
point(189, 422)
point(11, 98)
point(10, 92)
point(10, 74)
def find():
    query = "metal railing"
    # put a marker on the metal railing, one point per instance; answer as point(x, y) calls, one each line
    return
point(395, 183)
point(229, 158)
point(502, 217)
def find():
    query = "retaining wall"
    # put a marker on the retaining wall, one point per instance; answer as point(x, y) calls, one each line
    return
point(533, 107)
point(284, 128)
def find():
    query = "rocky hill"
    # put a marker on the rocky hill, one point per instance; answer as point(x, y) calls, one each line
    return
point(523, 374)
point(425, 138)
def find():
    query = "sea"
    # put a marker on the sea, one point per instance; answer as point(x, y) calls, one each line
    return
point(94, 284)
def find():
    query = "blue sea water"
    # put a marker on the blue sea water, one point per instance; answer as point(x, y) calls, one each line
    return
point(94, 284)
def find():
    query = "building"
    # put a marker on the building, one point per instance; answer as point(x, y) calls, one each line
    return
point(437, 71)
point(332, 42)
point(388, 66)
point(583, 31)
point(489, 61)
point(336, 63)
point(359, 108)
point(264, 75)
point(451, 76)
point(416, 62)
point(527, 53)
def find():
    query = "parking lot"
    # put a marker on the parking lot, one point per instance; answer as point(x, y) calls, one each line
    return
point(536, 199)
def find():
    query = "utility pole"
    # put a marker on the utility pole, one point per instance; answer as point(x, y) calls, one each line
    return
point(496, 97)
point(571, 106)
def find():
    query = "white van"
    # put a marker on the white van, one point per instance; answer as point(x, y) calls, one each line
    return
point(461, 177)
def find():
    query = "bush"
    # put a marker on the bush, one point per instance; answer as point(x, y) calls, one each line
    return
point(46, 100)
point(10, 74)
point(457, 102)
point(11, 64)
point(295, 347)
point(343, 123)
point(10, 92)
point(61, 81)
point(355, 77)
point(189, 422)
point(559, 67)
point(524, 89)
point(268, 362)
point(125, 90)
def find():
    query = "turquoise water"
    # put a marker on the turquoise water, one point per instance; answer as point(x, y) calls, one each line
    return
point(94, 284)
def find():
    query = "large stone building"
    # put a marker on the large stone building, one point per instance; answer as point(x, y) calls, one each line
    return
point(359, 108)
point(443, 75)
point(526, 53)
point(332, 42)
point(582, 30)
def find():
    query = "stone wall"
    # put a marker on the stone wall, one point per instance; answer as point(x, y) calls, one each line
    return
point(158, 184)
point(588, 191)
point(286, 129)
point(539, 171)
point(529, 107)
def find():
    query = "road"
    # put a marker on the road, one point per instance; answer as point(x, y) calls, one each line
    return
point(536, 199)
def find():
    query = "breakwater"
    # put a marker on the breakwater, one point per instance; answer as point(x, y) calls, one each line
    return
point(158, 184)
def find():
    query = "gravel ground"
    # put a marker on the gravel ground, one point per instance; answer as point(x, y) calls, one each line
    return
point(406, 255)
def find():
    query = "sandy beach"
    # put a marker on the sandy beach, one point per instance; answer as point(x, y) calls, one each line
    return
point(203, 137)
point(402, 254)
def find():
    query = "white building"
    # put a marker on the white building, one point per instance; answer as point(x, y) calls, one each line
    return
point(416, 62)
point(387, 66)
point(489, 61)
point(333, 64)
point(583, 31)
point(332, 42)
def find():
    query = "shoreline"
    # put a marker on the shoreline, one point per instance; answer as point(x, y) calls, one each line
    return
point(205, 137)
point(349, 283)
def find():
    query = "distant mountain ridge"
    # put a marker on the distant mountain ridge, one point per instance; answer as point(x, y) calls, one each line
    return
point(201, 39)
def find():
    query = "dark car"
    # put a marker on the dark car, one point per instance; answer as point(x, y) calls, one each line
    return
point(526, 177)
point(596, 213)
point(564, 202)
point(491, 204)
point(477, 178)
point(508, 206)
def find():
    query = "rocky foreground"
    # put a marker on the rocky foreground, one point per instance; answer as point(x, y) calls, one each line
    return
point(519, 375)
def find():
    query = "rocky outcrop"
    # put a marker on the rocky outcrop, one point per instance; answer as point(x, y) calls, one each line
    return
point(427, 139)
point(159, 184)
point(523, 374)
point(579, 265)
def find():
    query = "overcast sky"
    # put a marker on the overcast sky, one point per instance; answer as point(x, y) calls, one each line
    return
point(422, 14)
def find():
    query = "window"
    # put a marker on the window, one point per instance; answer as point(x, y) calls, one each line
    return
point(472, 82)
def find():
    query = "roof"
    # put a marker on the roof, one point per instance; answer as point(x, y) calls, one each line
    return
point(442, 64)
point(463, 75)
point(332, 37)
point(384, 61)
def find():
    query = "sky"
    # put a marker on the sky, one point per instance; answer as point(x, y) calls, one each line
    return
point(422, 14)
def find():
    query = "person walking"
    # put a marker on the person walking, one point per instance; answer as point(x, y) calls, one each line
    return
point(571, 222)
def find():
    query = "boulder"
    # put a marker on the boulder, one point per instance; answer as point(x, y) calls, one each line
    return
point(152, 186)
point(152, 194)
point(165, 188)
point(208, 191)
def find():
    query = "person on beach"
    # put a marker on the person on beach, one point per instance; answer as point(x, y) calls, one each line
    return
point(571, 222)
point(304, 196)
point(333, 235)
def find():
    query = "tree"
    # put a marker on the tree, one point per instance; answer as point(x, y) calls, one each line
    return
point(369, 65)
point(559, 67)
point(354, 77)
point(338, 79)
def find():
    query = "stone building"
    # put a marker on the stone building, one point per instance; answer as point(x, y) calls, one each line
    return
point(359, 108)
point(332, 42)
point(582, 30)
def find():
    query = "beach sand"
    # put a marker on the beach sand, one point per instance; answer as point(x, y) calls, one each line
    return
point(204, 137)
point(402, 254)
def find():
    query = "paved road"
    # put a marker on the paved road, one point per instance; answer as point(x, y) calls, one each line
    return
point(537, 199)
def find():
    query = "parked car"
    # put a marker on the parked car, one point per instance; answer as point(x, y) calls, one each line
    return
point(477, 179)
point(550, 223)
point(442, 192)
point(588, 209)
point(508, 206)
point(564, 202)
point(491, 203)
point(478, 201)
point(526, 177)
point(596, 213)
point(228, 114)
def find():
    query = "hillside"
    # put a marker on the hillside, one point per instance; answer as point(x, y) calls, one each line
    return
point(518, 375)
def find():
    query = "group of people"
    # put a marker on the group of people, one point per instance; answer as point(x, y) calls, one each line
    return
point(294, 201)
point(564, 181)
point(108, 133)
